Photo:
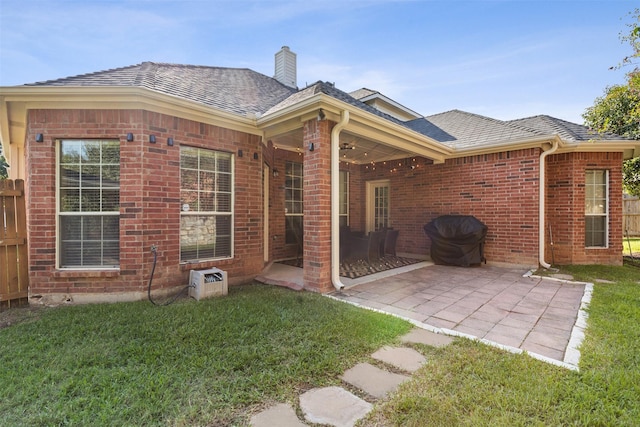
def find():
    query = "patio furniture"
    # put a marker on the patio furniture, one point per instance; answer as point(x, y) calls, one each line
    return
point(390, 239)
point(297, 235)
point(367, 248)
point(457, 240)
point(345, 242)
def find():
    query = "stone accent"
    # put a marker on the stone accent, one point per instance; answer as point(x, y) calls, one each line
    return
point(403, 358)
point(334, 406)
point(422, 336)
point(281, 415)
point(373, 380)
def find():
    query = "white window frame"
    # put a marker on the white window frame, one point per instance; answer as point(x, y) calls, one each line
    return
point(187, 210)
point(60, 213)
point(605, 205)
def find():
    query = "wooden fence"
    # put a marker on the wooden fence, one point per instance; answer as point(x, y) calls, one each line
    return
point(14, 274)
point(631, 216)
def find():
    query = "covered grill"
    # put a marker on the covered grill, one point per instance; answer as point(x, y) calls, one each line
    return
point(457, 240)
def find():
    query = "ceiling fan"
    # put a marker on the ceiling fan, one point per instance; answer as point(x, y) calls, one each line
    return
point(347, 146)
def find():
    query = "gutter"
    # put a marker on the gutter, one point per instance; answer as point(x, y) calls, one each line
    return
point(335, 200)
point(541, 203)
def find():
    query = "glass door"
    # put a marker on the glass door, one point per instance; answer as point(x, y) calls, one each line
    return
point(378, 205)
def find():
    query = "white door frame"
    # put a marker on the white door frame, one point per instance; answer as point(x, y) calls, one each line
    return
point(266, 173)
point(370, 200)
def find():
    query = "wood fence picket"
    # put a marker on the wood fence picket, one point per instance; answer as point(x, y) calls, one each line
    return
point(631, 216)
point(14, 268)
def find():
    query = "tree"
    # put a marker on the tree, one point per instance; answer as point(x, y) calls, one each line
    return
point(4, 174)
point(618, 110)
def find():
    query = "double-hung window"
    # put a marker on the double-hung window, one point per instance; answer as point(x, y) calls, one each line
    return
point(206, 197)
point(294, 203)
point(88, 203)
point(596, 208)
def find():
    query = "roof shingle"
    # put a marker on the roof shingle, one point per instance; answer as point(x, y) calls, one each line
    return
point(244, 91)
point(236, 90)
point(566, 130)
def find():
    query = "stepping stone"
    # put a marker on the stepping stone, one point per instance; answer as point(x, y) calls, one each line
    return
point(333, 406)
point(403, 358)
point(375, 381)
point(281, 415)
point(605, 281)
point(422, 336)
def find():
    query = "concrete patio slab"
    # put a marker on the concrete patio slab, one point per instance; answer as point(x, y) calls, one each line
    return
point(282, 275)
point(499, 305)
point(477, 302)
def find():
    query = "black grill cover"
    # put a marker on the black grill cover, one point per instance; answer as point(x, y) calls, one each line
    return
point(456, 240)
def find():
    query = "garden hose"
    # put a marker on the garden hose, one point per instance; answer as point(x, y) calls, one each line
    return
point(154, 250)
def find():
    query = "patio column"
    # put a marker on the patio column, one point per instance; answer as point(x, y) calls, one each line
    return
point(317, 205)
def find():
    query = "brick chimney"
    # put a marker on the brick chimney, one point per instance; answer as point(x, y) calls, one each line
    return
point(285, 69)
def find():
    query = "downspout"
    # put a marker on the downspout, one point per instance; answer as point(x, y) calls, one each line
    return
point(542, 205)
point(335, 200)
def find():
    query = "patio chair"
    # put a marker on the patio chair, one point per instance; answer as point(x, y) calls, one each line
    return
point(297, 235)
point(367, 248)
point(390, 239)
point(345, 242)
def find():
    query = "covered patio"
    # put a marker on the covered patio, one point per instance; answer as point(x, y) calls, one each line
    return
point(502, 306)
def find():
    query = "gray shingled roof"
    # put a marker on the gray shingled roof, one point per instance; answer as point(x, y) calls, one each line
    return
point(566, 130)
point(330, 90)
point(463, 130)
point(236, 90)
point(460, 129)
point(243, 91)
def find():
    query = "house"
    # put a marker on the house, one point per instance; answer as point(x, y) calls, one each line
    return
point(229, 168)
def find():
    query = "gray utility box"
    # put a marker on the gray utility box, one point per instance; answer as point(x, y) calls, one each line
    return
point(207, 283)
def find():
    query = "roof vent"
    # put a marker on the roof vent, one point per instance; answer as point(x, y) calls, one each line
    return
point(286, 67)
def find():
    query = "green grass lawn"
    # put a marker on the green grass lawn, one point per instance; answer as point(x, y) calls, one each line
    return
point(190, 363)
point(216, 361)
point(633, 244)
point(469, 384)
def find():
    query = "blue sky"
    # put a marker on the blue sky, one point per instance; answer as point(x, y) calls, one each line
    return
point(504, 59)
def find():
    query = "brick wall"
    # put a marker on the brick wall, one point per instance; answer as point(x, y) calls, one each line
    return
point(149, 199)
point(566, 207)
point(499, 189)
point(317, 206)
